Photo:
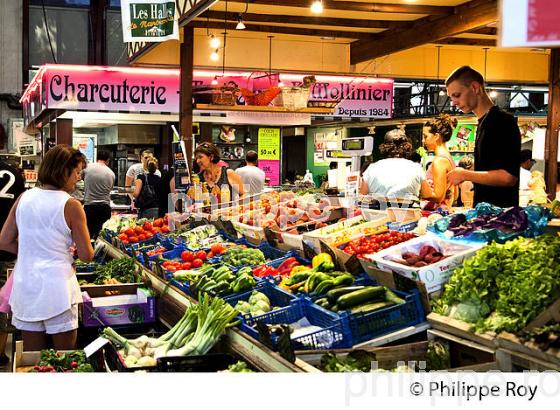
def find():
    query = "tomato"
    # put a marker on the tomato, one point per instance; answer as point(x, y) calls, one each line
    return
point(123, 237)
point(125, 242)
point(147, 226)
point(210, 255)
point(133, 239)
point(141, 237)
point(129, 232)
point(158, 223)
point(187, 256)
point(197, 263)
point(217, 249)
point(201, 255)
point(171, 268)
point(186, 265)
point(164, 229)
point(138, 230)
point(165, 219)
point(156, 230)
point(166, 264)
point(149, 235)
point(123, 230)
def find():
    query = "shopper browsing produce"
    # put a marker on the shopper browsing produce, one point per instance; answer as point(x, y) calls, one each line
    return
point(251, 175)
point(139, 168)
point(436, 133)
point(208, 159)
point(98, 183)
point(146, 191)
point(498, 142)
point(45, 292)
point(395, 176)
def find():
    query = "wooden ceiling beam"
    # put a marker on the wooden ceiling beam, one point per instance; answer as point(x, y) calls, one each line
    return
point(467, 16)
point(358, 6)
point(282, 30)
point(307, 20)
point(459, 41)
point(488, 31)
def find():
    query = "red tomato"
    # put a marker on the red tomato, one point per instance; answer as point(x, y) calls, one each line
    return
point(147, 226)
point(129, 232)
point(123, 230)
point(187, 256)
point(171, 268)
point(158, 223)
point(186, 265)
point(164, 229)
point(149, 235)
point(123, 237)
point(133, 239)
point(138, 230)
point(166, 264)
point(125, 242)
point(210, 255)
point(156, 230)
point(141, 237)
point(217, 249)
point(197, 263)
point(201, 255)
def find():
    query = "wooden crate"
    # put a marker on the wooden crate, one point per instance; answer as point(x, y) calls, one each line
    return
point(511, 342)
point(462, 329)
point(510, 361)
point(464, 354)
point(25, 361)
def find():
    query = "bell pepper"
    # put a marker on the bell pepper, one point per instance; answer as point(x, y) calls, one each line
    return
point(320, 258)
point(298, 269)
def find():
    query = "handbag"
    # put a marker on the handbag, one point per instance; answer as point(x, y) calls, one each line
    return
point(5, 293)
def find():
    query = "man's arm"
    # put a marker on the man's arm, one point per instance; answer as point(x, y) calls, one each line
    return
point(496, 177)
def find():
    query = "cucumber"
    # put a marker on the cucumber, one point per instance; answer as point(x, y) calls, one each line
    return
point(391, 297)
point(371, 307)
point(359, 297)
point(334, 294)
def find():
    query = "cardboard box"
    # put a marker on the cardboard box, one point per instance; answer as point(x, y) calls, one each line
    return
point(434, 276)
point(351, 228)
point(133, 307)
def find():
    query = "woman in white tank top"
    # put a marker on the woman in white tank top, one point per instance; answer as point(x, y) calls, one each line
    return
point(42, 228)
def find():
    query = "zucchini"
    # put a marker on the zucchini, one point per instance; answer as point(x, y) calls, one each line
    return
point(371, 307)
point(324, 286)
point(391, 297)
point(334, 294)
point(359, 297)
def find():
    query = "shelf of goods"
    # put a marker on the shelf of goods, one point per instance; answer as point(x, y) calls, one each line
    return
point(172, 304)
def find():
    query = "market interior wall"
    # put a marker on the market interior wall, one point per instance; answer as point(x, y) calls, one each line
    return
point(10, 63)
point(508, 65)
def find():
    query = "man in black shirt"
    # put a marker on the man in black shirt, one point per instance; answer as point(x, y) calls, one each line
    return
point(12, 186)
point(498, 142)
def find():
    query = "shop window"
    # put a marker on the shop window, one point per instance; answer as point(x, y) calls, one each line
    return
point(519, 100)
point(116, 49)
point(68, 30)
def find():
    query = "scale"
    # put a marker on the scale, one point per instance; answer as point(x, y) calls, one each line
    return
point(355, 148)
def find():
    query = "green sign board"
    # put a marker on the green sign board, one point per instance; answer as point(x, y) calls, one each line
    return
point(149, 20)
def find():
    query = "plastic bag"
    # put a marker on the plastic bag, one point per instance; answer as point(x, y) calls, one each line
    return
point(5, 293)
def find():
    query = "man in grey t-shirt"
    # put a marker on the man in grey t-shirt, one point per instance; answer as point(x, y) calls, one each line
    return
point(251, 175)
point(99, 180)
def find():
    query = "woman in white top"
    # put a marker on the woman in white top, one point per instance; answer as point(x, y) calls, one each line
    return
point(43, 228)
point(395, 176)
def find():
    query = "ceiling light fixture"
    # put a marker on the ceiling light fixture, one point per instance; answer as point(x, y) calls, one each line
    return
point(317, 7)
point(214, 41)
point(214, 56)
point(240, 23)
point(215, 80)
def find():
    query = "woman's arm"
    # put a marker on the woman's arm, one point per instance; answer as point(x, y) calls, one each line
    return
point(235, 180)
point(9, 234)
point(76, 220)
point(137, 188)
point(439, 172)
point(364, 189)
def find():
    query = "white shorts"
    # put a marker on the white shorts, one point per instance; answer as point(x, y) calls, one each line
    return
point(64, 322)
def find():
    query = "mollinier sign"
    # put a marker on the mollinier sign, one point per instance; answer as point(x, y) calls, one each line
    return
point(149, 20)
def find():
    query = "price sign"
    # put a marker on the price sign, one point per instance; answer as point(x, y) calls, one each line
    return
point(269, 143)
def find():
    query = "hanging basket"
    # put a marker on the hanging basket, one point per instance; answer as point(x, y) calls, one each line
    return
point(295, 98)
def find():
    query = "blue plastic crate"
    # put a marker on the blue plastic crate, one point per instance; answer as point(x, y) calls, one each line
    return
point(332, 334)
point(132, 249)
point(270, 253)
point(278, 298)
point(164, 243)
point(366, 326)
point(182, 286)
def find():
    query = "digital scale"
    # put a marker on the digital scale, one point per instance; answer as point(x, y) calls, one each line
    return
point(355, 148)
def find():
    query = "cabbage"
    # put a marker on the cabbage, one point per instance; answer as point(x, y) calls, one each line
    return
point(243, 306)
point(255, 296)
